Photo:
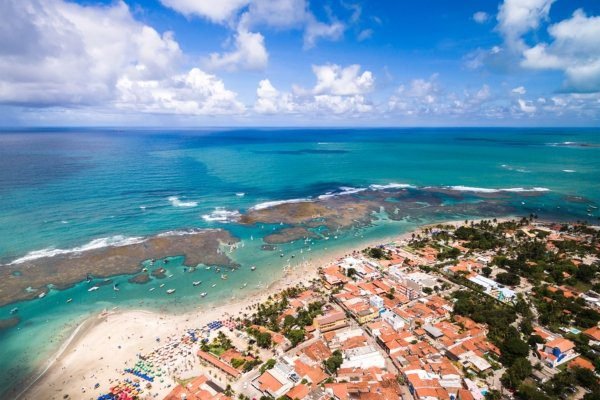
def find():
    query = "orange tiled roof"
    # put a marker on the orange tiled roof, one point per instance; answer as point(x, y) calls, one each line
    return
point(268, 382)
point(562, 344)
point(298, 392)
point(593, 333)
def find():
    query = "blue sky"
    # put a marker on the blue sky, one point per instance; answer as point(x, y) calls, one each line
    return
point(300, 63)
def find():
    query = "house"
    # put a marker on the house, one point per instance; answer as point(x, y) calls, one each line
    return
point(593, 333)
point(332, 321)
point(363, 357)
point(278, 380)
point(201, 388)
point(376, 302)
point(558, 351)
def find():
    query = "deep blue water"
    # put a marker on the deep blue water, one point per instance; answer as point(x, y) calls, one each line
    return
point(63, 188)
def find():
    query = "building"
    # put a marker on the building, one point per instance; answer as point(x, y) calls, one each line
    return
point(376, 302)
point(278, 380)
point(363, 358)
point(332, 321)
point(201, 388)
point(558, 351)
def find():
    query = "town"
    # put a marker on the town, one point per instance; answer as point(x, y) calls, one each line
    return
point(467, 311)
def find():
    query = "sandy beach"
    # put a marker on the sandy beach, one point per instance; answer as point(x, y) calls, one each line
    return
point(103, 345)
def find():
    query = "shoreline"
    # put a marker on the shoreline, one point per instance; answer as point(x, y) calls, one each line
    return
point(168, 324)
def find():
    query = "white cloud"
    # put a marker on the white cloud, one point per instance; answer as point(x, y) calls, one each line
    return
point(481, 17)
point(316, 30)
point(249, 53)
point(218, 11)
point(336, 80)
point(99, 55)
point(192, 93)
point(575, 50)
point(526, 106)
point(281, 14)
point(75, 54)
point(337, 91)
point(290, 14)
point(517, 17)
point(364, 35)
point(519, 90)
point(426, 98)
point(271, 101)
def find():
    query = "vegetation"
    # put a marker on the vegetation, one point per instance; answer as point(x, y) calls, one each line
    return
point(377, 253)
point(333, 363)
point(218, 346)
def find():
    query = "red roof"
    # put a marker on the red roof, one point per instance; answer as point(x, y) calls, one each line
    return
point(219, 364)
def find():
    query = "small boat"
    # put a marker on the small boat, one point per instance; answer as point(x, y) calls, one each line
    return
point(151, 289)
point(214, 285)
point(69, 300)
point(207, 268)
point(162, 285)
point(253, 268)
point(170, 291)
point(240, 194)
point(170, 276)
point(244, 285)
point(42, 295)
point(223, 276)
point(116, 287)
point(203, 294)
point(93, 288)
point(14, 311)
point(196, 283)
point(218, 269)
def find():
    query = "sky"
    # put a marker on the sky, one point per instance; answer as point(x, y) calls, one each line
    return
point(205, 63)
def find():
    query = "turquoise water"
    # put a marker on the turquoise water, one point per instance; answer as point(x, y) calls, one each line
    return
point(61, 189)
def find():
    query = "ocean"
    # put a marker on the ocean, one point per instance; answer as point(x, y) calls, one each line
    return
point(66, 190)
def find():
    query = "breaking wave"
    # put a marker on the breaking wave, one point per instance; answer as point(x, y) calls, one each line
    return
point(114, 241)
point(220, 214)
point(175, 202)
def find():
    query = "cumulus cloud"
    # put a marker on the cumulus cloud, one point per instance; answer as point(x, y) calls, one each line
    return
point(481, 17)
point(338, 90)
point(76, 55)
point(192, 93)
point(218, 11)
point(247, 17)
point(249, 53)
point(426, 97)
point(334, 79)
point(519, 90)
point(526, 107)
point(271, 101)
point(575, 50)
point(517, 17)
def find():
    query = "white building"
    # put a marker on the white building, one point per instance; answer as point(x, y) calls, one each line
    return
point(363, 358)
point(376, 302)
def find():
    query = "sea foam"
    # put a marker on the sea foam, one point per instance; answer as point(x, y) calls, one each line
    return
point(175, 202)
point(461, 188)
point(220, 214)
point(269, 204)
point(114, 241)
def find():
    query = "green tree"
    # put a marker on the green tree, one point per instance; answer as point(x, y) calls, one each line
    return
point(514, 375)
point(333, 363)
point(295, 336)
